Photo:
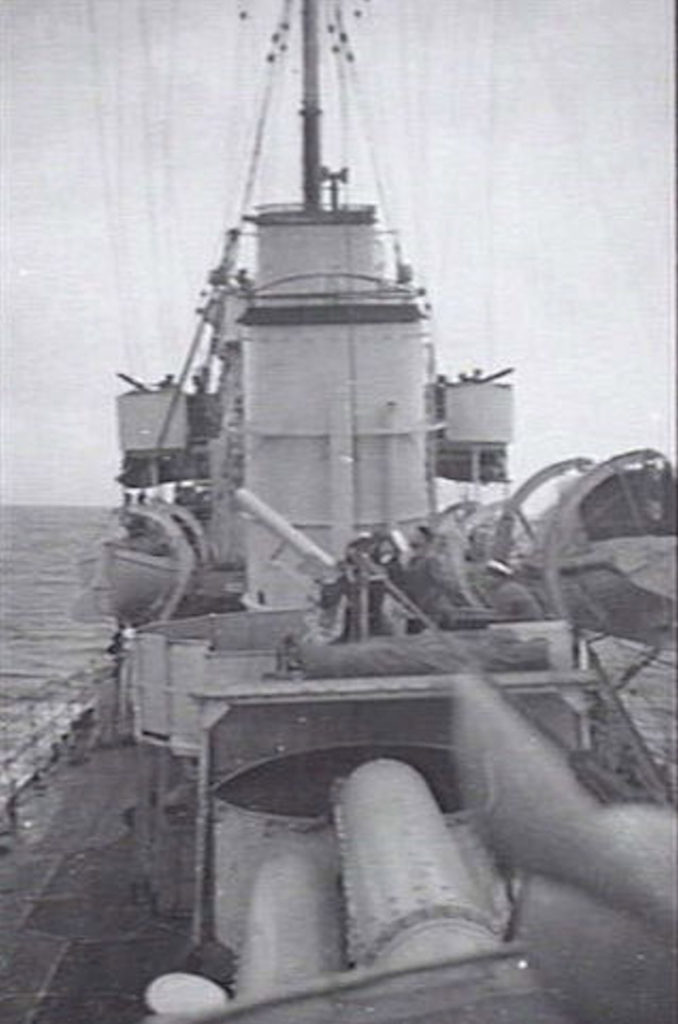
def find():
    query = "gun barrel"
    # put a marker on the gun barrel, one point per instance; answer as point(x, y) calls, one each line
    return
point(280, 526)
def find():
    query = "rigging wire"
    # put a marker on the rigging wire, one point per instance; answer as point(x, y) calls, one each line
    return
point(346, 59)
point(274, 59)
point(173, 248)
point(633, 647)
point(342, 81)
point(365, 111)
point(219, 278)
point(490, 197)
point(602, 211)
point(149, 149)
point(345, 62)
point(345, 51)
point(113, 212)
point(119, 136)
point(233, 83)
point(278, 46)
point(340, 50)
point(230, 241)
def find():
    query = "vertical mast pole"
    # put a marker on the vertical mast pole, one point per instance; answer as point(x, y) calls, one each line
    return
point(310, 108)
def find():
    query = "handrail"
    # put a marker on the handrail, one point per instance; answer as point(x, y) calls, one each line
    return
point(389, 287)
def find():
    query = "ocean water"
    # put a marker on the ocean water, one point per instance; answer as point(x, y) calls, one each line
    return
point(45, 656)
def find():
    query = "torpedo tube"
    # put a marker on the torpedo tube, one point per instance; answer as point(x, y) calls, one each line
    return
point(410, 895)
point(292, 931)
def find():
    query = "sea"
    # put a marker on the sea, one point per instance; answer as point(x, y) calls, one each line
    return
point(48, 658)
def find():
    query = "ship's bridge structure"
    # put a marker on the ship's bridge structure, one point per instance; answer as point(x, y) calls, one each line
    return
point(335, 368)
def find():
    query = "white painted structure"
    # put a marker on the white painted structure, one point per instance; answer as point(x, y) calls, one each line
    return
point(334, 379)
point(480, 412)
point(144, 420)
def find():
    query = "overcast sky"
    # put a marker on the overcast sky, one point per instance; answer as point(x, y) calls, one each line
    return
point(525, 153)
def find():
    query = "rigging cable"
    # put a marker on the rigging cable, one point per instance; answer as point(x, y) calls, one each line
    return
point(342, 56)
point(367, 120)
point(232, 236)
point(174, 248)
point(119, 165)
point(588, 170)
point(113, 215)
point(365, 110)
point(228, 242)
point(364, 107)
point(274, 59)
point(346, 59)
point(490, 198)
point(149, 149)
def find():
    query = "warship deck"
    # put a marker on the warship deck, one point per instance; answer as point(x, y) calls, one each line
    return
point(78, 942)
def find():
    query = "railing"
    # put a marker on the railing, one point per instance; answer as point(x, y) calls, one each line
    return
point(298, 208)
point(336, 286)
point(56, 720)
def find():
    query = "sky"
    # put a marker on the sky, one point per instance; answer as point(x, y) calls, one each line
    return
point(522, 148)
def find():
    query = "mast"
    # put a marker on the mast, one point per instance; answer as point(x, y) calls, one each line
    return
point(310, 108)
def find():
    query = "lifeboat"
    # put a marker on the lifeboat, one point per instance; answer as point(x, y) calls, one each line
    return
point(144, 569)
